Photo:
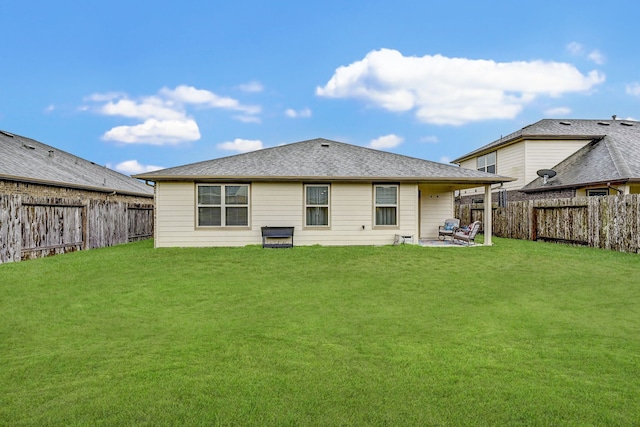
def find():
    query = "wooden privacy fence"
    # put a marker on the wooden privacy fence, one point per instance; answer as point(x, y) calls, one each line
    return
point(610, 222)
point(34, 227)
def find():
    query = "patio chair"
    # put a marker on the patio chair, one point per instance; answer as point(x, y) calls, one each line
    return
point(448, 227)
point(466, 234)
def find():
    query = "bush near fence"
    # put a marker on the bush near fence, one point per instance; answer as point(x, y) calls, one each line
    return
point(34, 227)
point(610, 222)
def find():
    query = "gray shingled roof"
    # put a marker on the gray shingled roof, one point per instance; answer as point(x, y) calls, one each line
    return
point(24, 159)
point(321, 159)
point(612, 159)
point(560, 129)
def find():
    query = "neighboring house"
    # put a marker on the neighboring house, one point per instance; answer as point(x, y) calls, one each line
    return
point(589, 158)
point(54, 202)
point(332, 193)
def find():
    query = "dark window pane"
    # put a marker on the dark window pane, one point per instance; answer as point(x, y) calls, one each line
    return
point(236, 194)
point(209, 195)
point(209, 216)
point(318, 216)
point(385, 216)
point(491, 168)
point(237, 216)
point(386, 195)
point(317, 195)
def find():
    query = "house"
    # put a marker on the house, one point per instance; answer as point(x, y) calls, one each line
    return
point(330, 192)
point(580, 158)
point(54, 202)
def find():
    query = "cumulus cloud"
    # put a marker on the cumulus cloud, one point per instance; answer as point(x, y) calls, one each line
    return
point(163, 118)
point(241, 145)
point(155, 132)
point(304, 113)
point(386, 141)
point(132, 167)
point(453, 91)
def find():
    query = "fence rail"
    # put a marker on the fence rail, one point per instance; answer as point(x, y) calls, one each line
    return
point(34, 227)
point(611, 222)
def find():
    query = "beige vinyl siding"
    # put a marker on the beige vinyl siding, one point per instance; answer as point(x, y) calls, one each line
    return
point(545, 154)
point(282, 204)
point(436, 205)
point(511, 163)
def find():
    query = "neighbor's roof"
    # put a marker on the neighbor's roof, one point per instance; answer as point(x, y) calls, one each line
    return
point(26, 160)
point(561, 129)
point(318, 159)
point(614, 159)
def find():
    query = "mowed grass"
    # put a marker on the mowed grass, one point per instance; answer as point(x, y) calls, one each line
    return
point(521, 333)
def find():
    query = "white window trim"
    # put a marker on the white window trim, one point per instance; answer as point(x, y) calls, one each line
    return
point(306, 205)
point(396, 205)
point(486, 165)
point(223, 205)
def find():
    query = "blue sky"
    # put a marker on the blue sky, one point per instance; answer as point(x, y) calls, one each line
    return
point(137, 85)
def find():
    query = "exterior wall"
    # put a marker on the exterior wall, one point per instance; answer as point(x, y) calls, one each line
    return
point(521, 161)
point(281, 204)
point(545, 154)
point(436, 205)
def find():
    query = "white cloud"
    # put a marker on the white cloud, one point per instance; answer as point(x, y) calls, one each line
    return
point(252, 86)
point(155, 132)
point(132, 167)
point(454, 91)
point(597, 57)
point(386, 141)
point(50, 108)
point(304, 113)
point(445, 159)
point(558, 111)
point(248, 119)
point(164, 117)
point(241, 145)
point(633, 89)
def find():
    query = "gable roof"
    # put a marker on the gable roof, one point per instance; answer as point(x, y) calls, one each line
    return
point(560, 129)
point(27, 160)
point(612, 159)
point(318, 159)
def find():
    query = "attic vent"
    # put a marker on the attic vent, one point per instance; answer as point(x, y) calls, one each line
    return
point(324, 144)
point(50, 153)
point(603, 123)
point(28, 147)
point(626, 124)
point(10, 135)
point(565, 123)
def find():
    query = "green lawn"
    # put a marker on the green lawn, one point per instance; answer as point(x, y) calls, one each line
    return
point(521, 333)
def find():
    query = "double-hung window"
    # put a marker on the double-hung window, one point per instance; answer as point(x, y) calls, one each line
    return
point(386, 205)
point(223, 205)
point(487, 163)
point(316, 205)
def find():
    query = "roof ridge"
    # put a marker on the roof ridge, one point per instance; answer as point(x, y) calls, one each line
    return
point(619, 161)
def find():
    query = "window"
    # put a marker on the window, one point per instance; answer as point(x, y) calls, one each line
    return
point(386, 204)
point(487, 163)
point(316, 205)
point(223, 205)
point(598, 192)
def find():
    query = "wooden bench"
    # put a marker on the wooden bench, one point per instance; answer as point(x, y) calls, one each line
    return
point(277, 233)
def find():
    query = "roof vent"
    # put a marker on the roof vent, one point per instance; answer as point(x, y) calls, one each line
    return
point(603, 123)
point(324, 144)
point(10, 135)
point(50, 153)
point(565, 123)
point(28, 147)
point(626, 124)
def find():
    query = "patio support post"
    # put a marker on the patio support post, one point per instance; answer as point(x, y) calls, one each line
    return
point(488, 215)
